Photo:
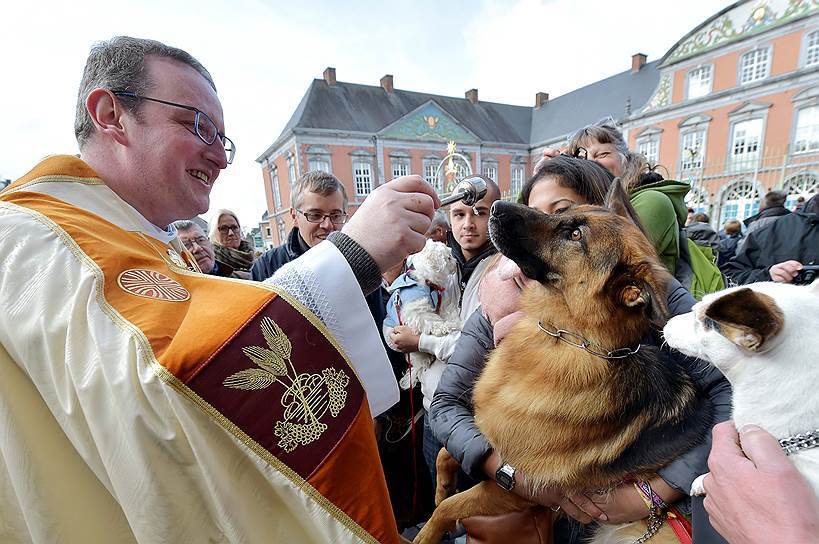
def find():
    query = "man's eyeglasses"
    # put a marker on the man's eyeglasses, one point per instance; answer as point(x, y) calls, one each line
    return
point(224, 229)
point(200, 241)
point(336, 218)
point(204, 127)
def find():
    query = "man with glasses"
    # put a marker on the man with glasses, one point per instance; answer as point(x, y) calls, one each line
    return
point(318, 206)
point(193, 238)
point(143, 401)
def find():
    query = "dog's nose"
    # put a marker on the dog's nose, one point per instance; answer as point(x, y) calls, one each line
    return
point(501, 208)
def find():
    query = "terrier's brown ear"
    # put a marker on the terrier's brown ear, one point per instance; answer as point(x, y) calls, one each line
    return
point(746, 317)
point(618, 202)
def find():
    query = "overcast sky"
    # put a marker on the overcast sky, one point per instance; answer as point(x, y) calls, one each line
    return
point(264, 54)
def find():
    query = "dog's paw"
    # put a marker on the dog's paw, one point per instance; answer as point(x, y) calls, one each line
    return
point(697, 488)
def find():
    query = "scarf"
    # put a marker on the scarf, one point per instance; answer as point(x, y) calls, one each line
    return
point(238, 259)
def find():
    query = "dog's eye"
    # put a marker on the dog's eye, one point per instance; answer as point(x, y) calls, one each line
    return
point(576, 235)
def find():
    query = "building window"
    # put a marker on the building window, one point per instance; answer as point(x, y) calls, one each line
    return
point(812, 48)
point(692, 150)
point(362, 178)
point(650, 147)
point(318, 164)
point(282, 233)
point(754, 66)
point(805, 185)
point(291, 169)
point(269, 232)
point(739, 201)
point(806, 138)
point(697, 200)
point(400, 167)
point(490, 170)
point(274, 184)
point(745, 143)
point(699, 82)
point(517, 180)
point(431, 175)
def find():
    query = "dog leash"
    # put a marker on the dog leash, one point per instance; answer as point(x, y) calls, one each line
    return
point(412, 413)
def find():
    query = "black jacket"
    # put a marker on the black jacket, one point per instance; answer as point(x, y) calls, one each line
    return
point(453, 421)
point(273, 259)
point(727, 249)
point(791, 237)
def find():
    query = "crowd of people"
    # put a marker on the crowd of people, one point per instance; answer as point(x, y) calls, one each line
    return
point(163, 383)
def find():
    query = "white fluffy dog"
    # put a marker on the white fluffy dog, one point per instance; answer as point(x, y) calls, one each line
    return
point(765, 338)
point(431, 277)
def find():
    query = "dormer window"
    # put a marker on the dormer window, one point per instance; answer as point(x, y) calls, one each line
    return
point(699, 82)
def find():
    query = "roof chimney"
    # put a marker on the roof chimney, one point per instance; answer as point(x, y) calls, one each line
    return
point(386, 83)
point(638, 60)
point(472, 95)
point(330, 75)
point(540, 99)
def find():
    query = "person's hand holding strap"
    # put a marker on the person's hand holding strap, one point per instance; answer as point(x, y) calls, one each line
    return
point(757, 497)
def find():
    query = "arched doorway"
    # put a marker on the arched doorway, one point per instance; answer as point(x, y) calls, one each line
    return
point(739, 200)
point(804, 184)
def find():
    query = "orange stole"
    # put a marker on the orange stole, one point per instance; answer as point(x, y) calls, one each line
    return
point(204, 342)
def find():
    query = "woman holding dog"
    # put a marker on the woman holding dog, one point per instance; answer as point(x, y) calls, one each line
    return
point(557, 184)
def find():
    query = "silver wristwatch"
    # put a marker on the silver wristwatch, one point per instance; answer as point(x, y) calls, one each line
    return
point(505, 477)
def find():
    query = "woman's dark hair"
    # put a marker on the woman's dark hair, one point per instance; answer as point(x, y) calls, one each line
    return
point(586, 178)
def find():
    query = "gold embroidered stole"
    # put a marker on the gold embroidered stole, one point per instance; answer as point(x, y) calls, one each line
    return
point(256, 361)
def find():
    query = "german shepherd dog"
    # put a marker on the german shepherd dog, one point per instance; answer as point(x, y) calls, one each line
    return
point(580, 418)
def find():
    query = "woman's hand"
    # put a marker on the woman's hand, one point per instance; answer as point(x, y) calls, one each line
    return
point(577, 506)
point(625, 503)
point(404, 339)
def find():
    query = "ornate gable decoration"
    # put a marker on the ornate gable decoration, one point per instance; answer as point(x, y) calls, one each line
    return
point(428, 122)
point(662, 94)
point(738, 23)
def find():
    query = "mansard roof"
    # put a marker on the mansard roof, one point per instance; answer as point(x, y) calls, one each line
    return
point(613, 96)
point(352, 107)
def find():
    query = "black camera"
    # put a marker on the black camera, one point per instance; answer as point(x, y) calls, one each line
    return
point(805, 276)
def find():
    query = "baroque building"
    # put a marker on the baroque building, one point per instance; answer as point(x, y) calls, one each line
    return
point(732, 107)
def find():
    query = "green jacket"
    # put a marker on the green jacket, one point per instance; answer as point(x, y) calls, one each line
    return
point(662, 211)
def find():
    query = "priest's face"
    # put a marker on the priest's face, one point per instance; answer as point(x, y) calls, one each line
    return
point(175, 168)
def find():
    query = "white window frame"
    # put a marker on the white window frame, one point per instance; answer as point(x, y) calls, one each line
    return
point(746, 204)
point(362, 176)
point(756, 74)
point(490, 170)
point(650, 147)
point(813, 138)
point(274, 184)
point(692, 163)
point(805, 184)
point(431, 174)
point(400, 166)
point(810, 49)
point(517, 175)
point(696, 73)
point(319, 163)
point(750, 162)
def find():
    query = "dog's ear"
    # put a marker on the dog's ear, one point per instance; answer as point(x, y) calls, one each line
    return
point(634, 288)
point(746, 317)
point(617, 201)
